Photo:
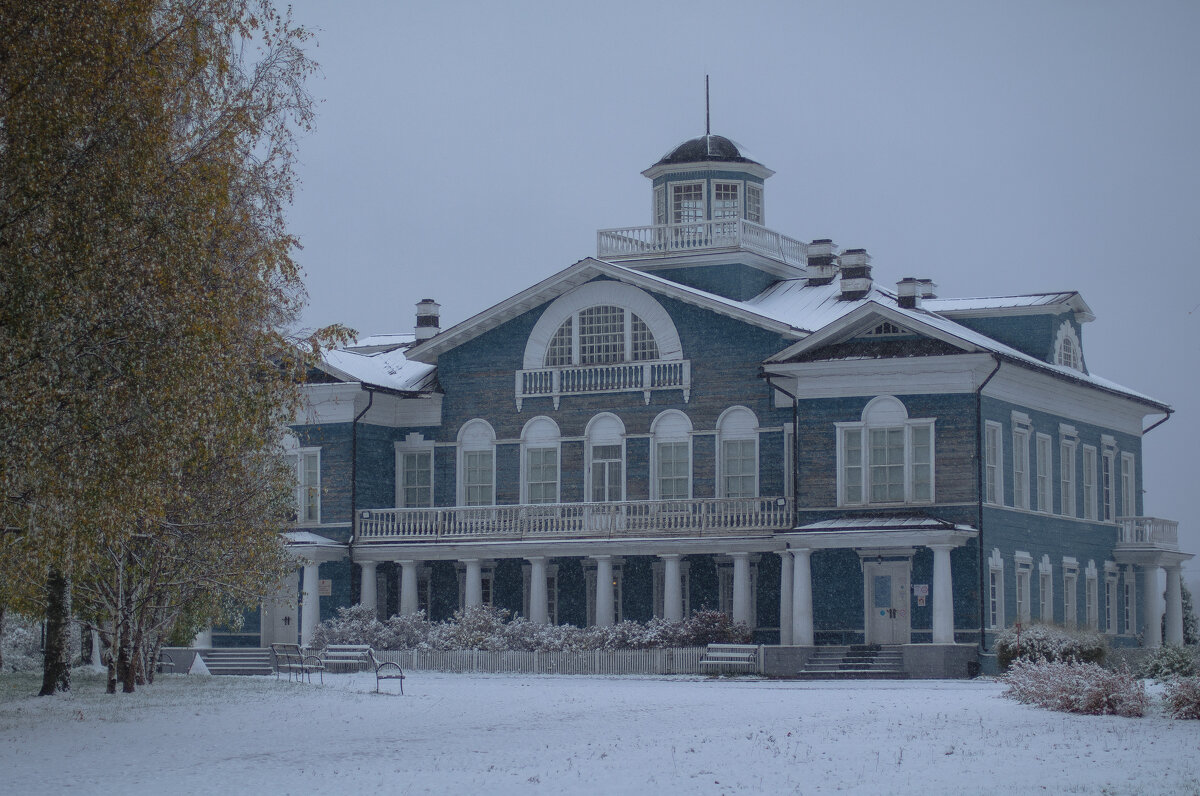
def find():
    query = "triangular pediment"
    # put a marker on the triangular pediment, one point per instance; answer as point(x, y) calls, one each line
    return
point(572, 277)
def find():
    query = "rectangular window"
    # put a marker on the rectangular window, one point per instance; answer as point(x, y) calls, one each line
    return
point(922, 463)
point(1108, 491)
point(477, 478)
point(542, 474)
point(674, 470)
point(1023, 610)
point(1110, 602)
point(1129, 585)
point(1070, 595)
point(660, 205)
point(1091, 601)
point(887, 465)
point(739, 468)
point(725, 200)
point(754, 203)
point(852, 469)
point(416, 479)
point(1043, 474)
point(606, 473)
point(310, 486)
point(1021, 468)
point(993, 455)
point(895, 466)
point(1089, 482)
point(1045, 596)
point(687, 203)
point(1128, 497)
point(995, 584)
point(1066, 471)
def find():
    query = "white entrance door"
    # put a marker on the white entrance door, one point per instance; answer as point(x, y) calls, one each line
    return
point(888, 619)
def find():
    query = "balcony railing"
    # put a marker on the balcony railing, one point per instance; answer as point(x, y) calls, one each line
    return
point(643, 377)
point(644, 518)
point(1148, 532)
point(657, 241)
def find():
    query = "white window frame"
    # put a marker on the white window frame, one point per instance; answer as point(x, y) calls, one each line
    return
point(1024, 573)
point(540, 433)
point(1070, 592)
point(475, 437)
point(675, 210)
point(739, 203)
point(1021, 436)
point(1128, 485)
point(885, 413)
point(1046, 590)
point(1108, 483)
point(1045, 474)
point(993, 463)
point(1091, 596)
point(307, 494)
point(1089, 482)
point(1067, 475)
point(659, 210)
point(1068, 352)
point(762, 210)
point(1129, 598)
point(1110, 597)
point(605, 429)
point(673, 428)
point(737, 424)
point(995, 590)
point(415, 444)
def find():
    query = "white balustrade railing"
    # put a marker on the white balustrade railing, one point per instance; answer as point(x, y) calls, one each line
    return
point(1144, 531)
point(643, 377)
point(654, 518)
point(668, 239)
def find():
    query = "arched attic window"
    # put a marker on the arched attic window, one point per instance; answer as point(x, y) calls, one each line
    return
point(1067, 350)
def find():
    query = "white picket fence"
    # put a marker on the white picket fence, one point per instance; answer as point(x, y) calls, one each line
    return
point(672, 660)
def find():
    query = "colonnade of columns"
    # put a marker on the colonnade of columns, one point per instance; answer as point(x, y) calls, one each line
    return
point(605, 609)
point(1152, 620)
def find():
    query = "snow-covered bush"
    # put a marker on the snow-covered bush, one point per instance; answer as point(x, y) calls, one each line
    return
point(1077, 688)
point(1040, 642)
point(20, 644)
point(1181, 696)
point(488, 628)
point(1169, 661)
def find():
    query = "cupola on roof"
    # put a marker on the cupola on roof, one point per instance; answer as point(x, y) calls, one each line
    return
point(707, 147)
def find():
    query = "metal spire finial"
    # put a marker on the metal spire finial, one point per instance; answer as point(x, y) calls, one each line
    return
point(707, 127)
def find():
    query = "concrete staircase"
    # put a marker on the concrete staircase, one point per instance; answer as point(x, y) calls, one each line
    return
point(241, 660)
point(855, 662)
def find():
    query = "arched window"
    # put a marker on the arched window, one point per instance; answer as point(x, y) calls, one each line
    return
point(540, 461)
point(476, 464)
point(737, 440)
point(671, 456)
point(605, 435)
point(886, 457)
point(1067, 350)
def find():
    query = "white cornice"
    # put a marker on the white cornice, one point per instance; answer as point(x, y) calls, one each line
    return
point(659, 262)
point(755, 169)
point(1045, 393)
point(951, 374)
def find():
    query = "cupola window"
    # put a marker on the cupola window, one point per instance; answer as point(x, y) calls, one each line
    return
point(725, 200)
point(606, 334)
point(754, 203)
point(687, 203)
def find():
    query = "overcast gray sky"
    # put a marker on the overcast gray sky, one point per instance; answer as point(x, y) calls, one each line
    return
point(465, 150)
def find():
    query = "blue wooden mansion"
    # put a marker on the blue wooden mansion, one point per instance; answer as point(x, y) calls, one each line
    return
point(712, 414)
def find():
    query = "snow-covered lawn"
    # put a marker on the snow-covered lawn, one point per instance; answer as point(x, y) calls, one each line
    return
point(549, 734)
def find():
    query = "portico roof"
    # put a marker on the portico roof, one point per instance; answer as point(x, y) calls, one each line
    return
point(314, 547)
point(879, 532)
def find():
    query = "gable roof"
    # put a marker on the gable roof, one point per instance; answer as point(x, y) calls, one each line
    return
point(1027, 304)
point(379, 361)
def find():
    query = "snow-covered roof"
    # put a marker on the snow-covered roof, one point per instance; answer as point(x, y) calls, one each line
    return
point(308, 538)
point(1065, 301)
point(881, 523)
point(371, 363)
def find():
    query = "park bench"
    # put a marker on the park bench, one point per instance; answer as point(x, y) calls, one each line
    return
point(289, 658)
point(385, 670)
point(166, 664)
point(730, 657)
point(347, 657)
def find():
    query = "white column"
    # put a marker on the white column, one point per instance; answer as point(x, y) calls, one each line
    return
point(604, 591)
point(408, 587)
point(1174, 606)
point(1151, 624)
point(785, 597)
point(943, 595)
point(537, 590)
point(474, 582)
point(802, 616)
point(672, 589)
point(741, 588)
point(310, 603)
point(367, 594)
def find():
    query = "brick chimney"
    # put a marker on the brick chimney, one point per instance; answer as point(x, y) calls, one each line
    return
point(908, 293)
point(428, 319)
point(855, 266)
point(822, 264)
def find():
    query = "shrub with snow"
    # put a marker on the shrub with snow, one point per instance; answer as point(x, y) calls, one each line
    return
point(1181, 696)
point(20, 644)
point(488, 628)
point(1040, 642)
point(1086, 688)
point(1169, 661)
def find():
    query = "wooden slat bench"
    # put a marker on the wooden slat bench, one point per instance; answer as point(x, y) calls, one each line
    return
point(730, 657)
point(291, 659)
point(385, 670)
point(348, 657)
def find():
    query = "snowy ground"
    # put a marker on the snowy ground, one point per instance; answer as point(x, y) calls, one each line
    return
point(552, 734)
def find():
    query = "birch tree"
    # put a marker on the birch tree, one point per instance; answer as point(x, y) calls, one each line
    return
point(146, 158)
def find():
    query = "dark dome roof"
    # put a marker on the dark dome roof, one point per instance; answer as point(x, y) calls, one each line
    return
point(707, 147)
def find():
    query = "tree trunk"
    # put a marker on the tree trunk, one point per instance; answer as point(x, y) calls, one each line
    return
point(3, 609)
point(56, 665)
